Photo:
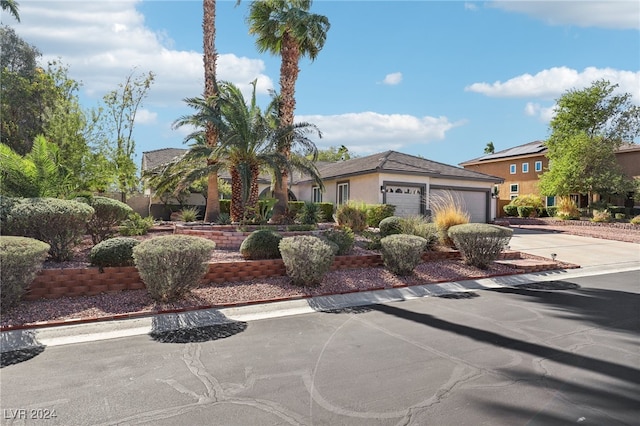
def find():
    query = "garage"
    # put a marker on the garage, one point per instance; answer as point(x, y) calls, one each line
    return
point(407, 199)
point(474, 202)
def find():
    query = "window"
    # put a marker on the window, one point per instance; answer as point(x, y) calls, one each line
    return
point(317, 194)
point(525, 167)
point(551, 201)
point(538, 166)
point(513, 188)
point(513, 196)
point(512, 169)
point(342, 195)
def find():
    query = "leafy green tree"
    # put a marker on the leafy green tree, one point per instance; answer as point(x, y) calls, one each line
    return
point(588, 127)
point(334, 153)
point(118, 120)
point(489, 149)
point(288, 29)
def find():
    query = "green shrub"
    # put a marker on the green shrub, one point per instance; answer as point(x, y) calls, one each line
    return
point(306, 258)
point(526, 211)
point(172, 265)
point(6, 205)
point(601, 216)
point(342, 237)
point(116, 251)
point(510, 210)
point(295, 207)
point(108, 214)
point(352, 215)
point(421, 227)
point(402, 253)
point(390, 226)
point(373, 238)
point(326, 210)
point(635, 220)
point(620, 216)
point(225, 207)
point(552, 211)
point(136, 225)
point(224, 219)
point(378, 212)
point(261, 244)
point(480, 243)
point(528, 200)
point(59, 223)
point(309, 214)
point(21, 259)
point(188, 214)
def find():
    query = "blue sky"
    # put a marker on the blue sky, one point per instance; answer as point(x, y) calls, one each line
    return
point(438, 79)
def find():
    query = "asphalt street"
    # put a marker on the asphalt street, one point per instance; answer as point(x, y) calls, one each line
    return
point(561, 351)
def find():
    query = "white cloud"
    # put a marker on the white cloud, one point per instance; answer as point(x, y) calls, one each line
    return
point(553, 82)
point(144, 116)
point(544, 114)
point(470, 6)
point(393, 79)
point(370, 132)
point(614, 14)
point(103, 41)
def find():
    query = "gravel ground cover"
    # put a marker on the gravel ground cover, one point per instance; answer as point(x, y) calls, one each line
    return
point(269, 289)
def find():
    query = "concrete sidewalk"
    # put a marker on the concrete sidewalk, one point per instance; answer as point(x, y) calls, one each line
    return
point(595, 256)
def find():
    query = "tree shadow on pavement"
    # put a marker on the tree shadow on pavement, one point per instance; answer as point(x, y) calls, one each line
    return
point(194, 327)
point(19, 346)
point(560, 356)
point(612, 309)
point(594, 401)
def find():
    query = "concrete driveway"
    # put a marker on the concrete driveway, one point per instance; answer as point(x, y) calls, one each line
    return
point(589, 253)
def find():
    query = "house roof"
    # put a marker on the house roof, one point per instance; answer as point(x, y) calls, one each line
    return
point(159, 157)
point(397, 162)
point(531, 148)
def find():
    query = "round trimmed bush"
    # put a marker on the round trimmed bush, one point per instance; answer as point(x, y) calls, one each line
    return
point(306, 258)
point(261, 244)
point(352, 216)
point(480, 243)
point(59, 223)
point(113, 252)
point(342, 237)
point(401, 253)
point(390, 226)
point(21, 259)
point(526, 211)
point(510, 210)
point(108, 214)
point(172, 265)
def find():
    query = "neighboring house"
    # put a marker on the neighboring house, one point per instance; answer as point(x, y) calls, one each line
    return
point(521, 167)
point(408, 182)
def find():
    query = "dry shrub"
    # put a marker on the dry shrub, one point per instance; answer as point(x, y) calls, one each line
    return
point(447, 211)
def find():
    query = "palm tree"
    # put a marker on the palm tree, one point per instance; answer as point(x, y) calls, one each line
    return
point(12, 7)
point(246, 146)
point(286, 28)
point(212, 210)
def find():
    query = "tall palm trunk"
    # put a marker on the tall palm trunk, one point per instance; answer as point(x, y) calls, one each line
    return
point(254, 194)
point(212, 211)
point(289, 70)
point(237, 205)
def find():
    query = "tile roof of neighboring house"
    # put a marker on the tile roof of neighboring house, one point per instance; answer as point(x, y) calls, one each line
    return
point(159, 157)
point(397, 162)
point(531, 148)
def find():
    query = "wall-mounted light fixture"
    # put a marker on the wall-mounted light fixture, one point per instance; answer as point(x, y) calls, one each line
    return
point(382, 189)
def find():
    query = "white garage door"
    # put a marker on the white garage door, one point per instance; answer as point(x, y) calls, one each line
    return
point(473, 202)
point(407, 201)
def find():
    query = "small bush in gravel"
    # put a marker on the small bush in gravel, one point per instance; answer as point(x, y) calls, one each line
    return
point(59, 223)
point(306, 258)
point(172, 265)
point(108, 214)
point(510, 210)
point(136, 225)
point(635, 220)
point(188, 214)
point(342, 237)
point(261, 244)
point(402, 253)
point(377, 212)
point(390, 226)
point(526, 211)
point(113, 252)
point(352, 215)
point(21, 259)
point(309, 214)
point(552, 211)
point(447, 212)
point(421, 227)
point(601, 216)
point(480, 243)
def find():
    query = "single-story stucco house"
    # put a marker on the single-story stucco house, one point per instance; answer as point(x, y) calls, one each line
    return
point(406, 181)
